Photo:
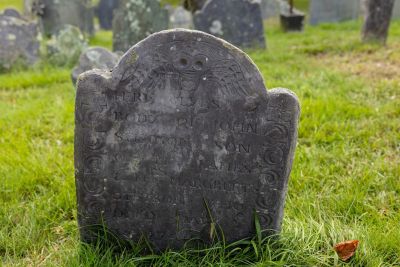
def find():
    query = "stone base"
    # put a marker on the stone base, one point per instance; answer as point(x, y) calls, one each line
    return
point(292, 22)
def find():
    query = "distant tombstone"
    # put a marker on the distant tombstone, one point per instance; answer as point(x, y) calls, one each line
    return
point(181, 140)
point(134, 20)
point(324, 11)
point(105, 11)
point(396, 10)
point(193, 5)
point(94, 58)
point(180, 18)
point(236, 21)
point(18, 40)
point(55, 14)
point(11, 12)
point(269, 9)
point(65, 47)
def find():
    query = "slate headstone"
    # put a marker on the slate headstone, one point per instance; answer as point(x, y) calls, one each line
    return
point(180, 139)
point(180, 18)
point(11, 12)
point(105, 11)
point(270, 9)
point(236, 21)
point(134, 20)
point(325, 11)
point(65, 47)
point(55, 14)
point(396, 10)
point(94, 58)
point(18, 41)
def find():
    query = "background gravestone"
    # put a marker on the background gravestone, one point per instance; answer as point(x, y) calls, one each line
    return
point(134, 20)
point(64, 48)
point(236, 21)
point(55, 14)
point(11, 12)
point(333, 10)
point(180, 18)
point(181, 138)
point(270, 8)
point(105, 11)
point(94, 58)
point(18, 40)
point(396, 10)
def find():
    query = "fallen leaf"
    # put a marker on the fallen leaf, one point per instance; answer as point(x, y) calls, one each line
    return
point(346, 250)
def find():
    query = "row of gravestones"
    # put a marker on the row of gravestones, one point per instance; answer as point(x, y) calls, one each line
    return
point(20, 42)
point(323, 11)
point(236, 21)
point(133, 20)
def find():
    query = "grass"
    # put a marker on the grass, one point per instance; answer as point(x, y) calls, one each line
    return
point(344, 184)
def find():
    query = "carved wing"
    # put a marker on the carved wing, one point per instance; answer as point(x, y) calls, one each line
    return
point(230, 78)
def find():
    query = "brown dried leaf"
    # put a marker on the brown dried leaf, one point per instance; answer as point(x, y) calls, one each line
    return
point(346, 249)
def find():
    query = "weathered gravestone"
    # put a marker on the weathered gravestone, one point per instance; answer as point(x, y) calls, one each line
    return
point(180, 139)
point(270, 8)
point(236, 21)
point(396, 10)
point(55, 14)
point(105, 11)
point(11, 12)
point(94, 58)
point(65, 48)
point(18, 40)
point(333, 10)
point(180, 18)
point(134, 20)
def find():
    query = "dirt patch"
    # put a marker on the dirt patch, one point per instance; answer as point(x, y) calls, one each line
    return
point(378, 64)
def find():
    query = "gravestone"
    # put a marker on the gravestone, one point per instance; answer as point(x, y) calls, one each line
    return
point(55, 14)
point(180, 18)
point(64, 48)
point(18, 40)
point(134, 20)
point(105, 11)
point(94, 58)
point(11, 12)
point(180, 139)
point(325, 11)
point(396, 10)
point(236, 21)
point(270, 9)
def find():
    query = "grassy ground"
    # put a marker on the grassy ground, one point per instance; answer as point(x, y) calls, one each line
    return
point(344, 184)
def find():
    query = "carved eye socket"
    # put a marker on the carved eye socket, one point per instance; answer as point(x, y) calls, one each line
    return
point(200, 62)
point(182, 61)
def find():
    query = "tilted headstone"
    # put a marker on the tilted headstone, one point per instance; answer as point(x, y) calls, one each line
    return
point(270, 9)
point(94, 58)
point(55, 14)
point(180, 139)
point(180, 18)
point(322, 11)
point(18, 41)
point(134, 20)
point(236, 21)
point(105, 11)
point(65, 48)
